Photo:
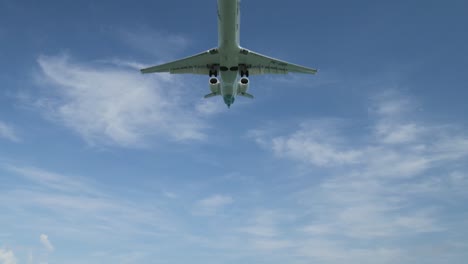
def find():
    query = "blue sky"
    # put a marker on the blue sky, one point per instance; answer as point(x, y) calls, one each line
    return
point(366, 162)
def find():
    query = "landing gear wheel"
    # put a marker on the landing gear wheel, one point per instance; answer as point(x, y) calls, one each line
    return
point(244, 73)
point(215, 73)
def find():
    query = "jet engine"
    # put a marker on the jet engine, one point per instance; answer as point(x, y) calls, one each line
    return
point(214, 85)
point(243, 85)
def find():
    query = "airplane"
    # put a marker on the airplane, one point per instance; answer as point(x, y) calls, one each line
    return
point(232, 62)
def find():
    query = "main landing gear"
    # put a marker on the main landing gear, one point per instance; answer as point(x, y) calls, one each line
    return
point(213, 70)
point(213, 73)
point(243, 70)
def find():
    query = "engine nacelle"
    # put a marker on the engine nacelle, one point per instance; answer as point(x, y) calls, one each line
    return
point(243, 85)
point(214, 85)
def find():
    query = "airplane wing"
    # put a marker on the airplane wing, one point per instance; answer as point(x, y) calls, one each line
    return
point(196, 64)
point(260, 64)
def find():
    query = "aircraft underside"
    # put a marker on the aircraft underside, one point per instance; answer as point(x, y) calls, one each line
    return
point(233, 82)
point(229, 65)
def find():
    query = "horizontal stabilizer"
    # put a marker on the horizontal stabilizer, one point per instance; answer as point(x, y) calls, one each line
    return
point(246, 95)
point(211, 95)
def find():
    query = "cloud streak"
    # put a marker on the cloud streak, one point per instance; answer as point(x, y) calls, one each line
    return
point(212, 204)
point(76, 207)
point(374, 190)
point(116, 106)
point(51, 180)
point(8, 132)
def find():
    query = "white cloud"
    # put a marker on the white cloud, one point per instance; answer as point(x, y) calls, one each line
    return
point(79, 207)
point(391, 104)
point(262, 224)
point(374, 187)
point(51, 180)
point(397, 133)
point(216, 201)
point(126, 64)
point(7, 257)
point(210, 107)
point(305, 146)
point(266, 232)
point(8, 132)
point(212, 204)
point(394, 146)
point(46, 242)
point(117, 106)
point(170, 195)
point(351, 211)
point(315, 142)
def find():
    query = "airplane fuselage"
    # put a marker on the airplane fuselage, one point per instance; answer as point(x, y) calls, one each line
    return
point(229, 62)
point(229, 48)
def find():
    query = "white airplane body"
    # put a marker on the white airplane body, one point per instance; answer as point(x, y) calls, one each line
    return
point(233, 63)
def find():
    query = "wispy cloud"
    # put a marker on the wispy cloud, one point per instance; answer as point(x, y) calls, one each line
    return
point(263, 223)
point(372, 188)
point(111, 105)
point(77, 206)
point(212, 204)
point(51, 180)
point(7, 257)
point(312, 146)
point(393, 146)
point(210, 107)
point(170, 195)
point(8, 132)
point(265, 231)
point(46, 242)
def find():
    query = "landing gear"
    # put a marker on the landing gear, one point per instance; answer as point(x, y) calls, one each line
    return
point(213, 70)
point(243, 70)
point(213, 73)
